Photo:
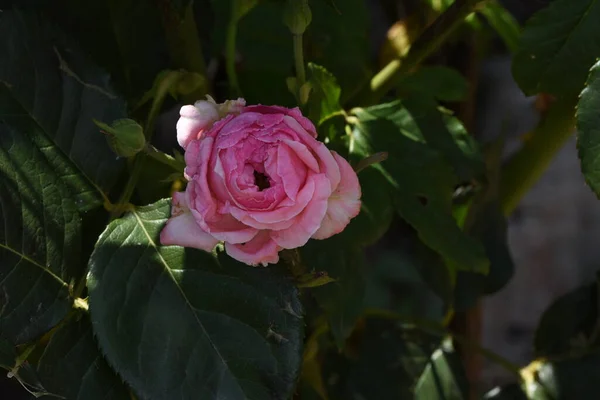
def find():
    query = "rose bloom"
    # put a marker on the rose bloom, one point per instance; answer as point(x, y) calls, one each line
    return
point(258, 181)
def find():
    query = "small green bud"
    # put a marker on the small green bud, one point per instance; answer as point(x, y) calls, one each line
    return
point(125, 136)
point(297, 16)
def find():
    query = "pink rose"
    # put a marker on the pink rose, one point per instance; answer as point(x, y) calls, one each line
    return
point(260, 182)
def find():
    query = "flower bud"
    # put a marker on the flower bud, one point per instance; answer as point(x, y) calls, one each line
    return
point(297, 16)
point(125, 136)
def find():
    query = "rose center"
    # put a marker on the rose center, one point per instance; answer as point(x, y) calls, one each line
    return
point(261, 181)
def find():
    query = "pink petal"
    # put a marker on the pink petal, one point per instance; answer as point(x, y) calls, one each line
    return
point(326, 162)
point(309, 221)
point(295, 113)
point(260, 250)
point(194, 120)
point(280, 217)
point(344, 203)
point(304, 154)
point(221, 227)
point(291, 171)
point(182, 230)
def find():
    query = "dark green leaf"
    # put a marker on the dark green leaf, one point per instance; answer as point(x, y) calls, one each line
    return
point(396, 283)
point(126, 37)
point(491, 228)
point(180, 5)
point(588, 129)
point(376, 212)
point(324, 99)
point(7, 354)
point(58, 90)
point(502, 22)
point(178, 323)
point(446, 134)
point(388, 360)
point(558, 46)
point(444, 376)
point(338, 40)
point(23, 372)
point(72, 366)
point(40, 239)
point(436, 82)
point(422, 181)
point(342, 300)
point(570, 324)
point(264, 47)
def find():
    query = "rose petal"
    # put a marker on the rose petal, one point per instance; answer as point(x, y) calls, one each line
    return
point(182, 230)
point(222, 227)
point(260, 250)
point(280, 217)
point(304, 154)
point(326, 162)
point(290, 170)
point(194, 120)
point(295, 113)
point(344, 203)
point(309, 221)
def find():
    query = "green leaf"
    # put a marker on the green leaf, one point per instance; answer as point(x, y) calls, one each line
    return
point(376, 210)
point(72, 366)
point(570, 323)
point(24, 372)
point(125, 37)
point(588, 129)
point(421, 179)
point(387, 360)
point(59, 91)
point(338, 40)
point(397, 283)
point(444, 377)
point(180, 5)
point(445, 133)
point(178, 323)
point(342, 300)
point(40, 238)
point(265, 49)
point(558, 46)
point(436, 82)
point(502, 21)
point(324, 99)
point(491, 229)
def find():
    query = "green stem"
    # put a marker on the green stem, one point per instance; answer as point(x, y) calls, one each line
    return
point(123, 202)
point(230, 51)
point(140, 158)
point(525, 168)
point(299, 58)
point(427, 43)
point(163, 158)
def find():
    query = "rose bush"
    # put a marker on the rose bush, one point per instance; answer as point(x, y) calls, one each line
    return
point(259, 181)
